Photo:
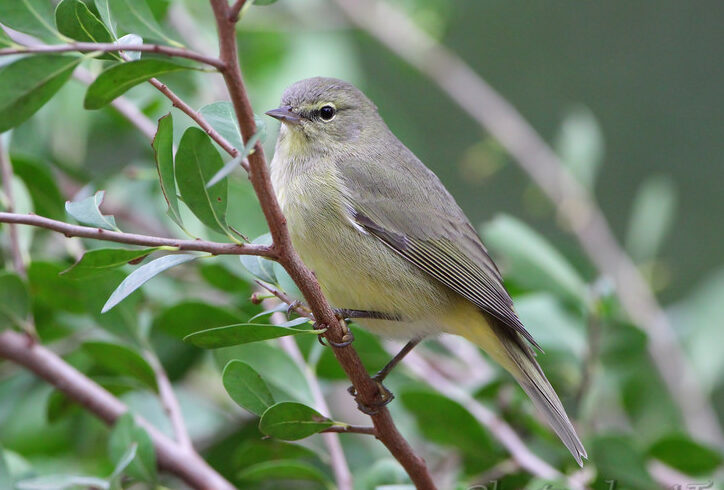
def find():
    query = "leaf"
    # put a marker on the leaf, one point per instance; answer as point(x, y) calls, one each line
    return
point(135, 16)
point(284, 469)
point(95, 262)
point(221, 117)
point(104, 10)
point(126, 433)
point(264, 2)
point(122, 360)
point(75, 20)
point(125, 460)
point(196, 162)
point(258, 266)
point(533, 261)
point(616, 459)
point(235, 162)
point(652, 217)
point(291, 421)
point(580, 145)
point(28, 83)
point(5, 41)
point(184, 319)
point(131, 40)
point(29, 16)
point(686, 455)
point(14, 300)
point(121, 77)
point(163, 150)
point(61, 482)
point(246, 387)
point(40, 182)
point(137, 278)
point(241, 333)
point(87, 212)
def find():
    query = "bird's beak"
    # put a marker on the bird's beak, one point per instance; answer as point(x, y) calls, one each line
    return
point(285, 115)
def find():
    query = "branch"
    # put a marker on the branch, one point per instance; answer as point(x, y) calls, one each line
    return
point(187, 465)
point(574, 203)
point(69, 230)
point(351, 429)
point(235, 9)
point(6, 172)
point(367, 390)
point(112, 47)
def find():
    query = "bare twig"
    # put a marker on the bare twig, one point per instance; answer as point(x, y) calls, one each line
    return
point(574, 203)
point(368, 391)
point(69, 230)
point(351, 429)
point(111, 47)
point(235, 9)
point(170, 402)
point(187, 465)
point(6, 172)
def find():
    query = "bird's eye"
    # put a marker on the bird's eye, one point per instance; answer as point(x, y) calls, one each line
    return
point(327, 112)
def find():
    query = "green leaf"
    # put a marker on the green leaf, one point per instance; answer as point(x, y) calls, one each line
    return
point(652, 218)
point(121, 77)
point(126, 433)
point(681, 452)
point(264, 2)
point(221, 117)
point(95, 262)
point(532, 261)
point(284, 469)
point(196, 162)
point(61, 482)
point(163, 149)
point(135, 16)
point(5, 41)
point(260, 267)
point(14, 300)
point(139, 277)
point(235, 162)
point(580, 145)
point(47, 199)
point(186, 318)
point(241, 333)
point(87, 212)
point(291, 421)
point(30, 16)
point(616, 459)
point(104, 10)
point(125, 460)
point(75, 20)
point(122, 360)
point(28, 83)
point(246, 387)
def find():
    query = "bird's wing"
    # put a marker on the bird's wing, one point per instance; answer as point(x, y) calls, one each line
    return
point(426, 227)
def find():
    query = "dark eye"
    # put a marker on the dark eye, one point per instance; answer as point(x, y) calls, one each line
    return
point(327, 112)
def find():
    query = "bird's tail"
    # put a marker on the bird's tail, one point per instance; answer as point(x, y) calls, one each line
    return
point(512, 352)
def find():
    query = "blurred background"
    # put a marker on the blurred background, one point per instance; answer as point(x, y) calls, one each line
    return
point(630, 97)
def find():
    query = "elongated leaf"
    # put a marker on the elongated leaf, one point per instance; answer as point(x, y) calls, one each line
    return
point(681, 452)
point(47, 199)
point(61, 482)
point(121, 77)
point(221, 117)
point(242, 333)
point(75, 20)
point(183, 319)
point(95, 262)
point(30, 16)
point(87, 211)
point(5, 41)
point(652, 218)
point(258, 266)
point(163, 149)
point(125, 433)
point(125, 460)
point(284, 469)
point(131, 40)
point(121, 360)
point(196, 162)
point(246, 387)
point(104, 9)
point(245, 152)
point(264, 2)
point(291, 421)
point(14, 300)
point(139, 277)
point(135, 16)
point(28, 83)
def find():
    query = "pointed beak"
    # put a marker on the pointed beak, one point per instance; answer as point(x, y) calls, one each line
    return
point(285, 115)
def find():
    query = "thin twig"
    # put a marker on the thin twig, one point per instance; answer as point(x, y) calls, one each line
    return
point(112, 47)
point(6, 172)
point(574, 203)
point(235, 9)
point(185, 464)
point(368, 391)
point(351, 429)
point(70, 230)
point(169, 401)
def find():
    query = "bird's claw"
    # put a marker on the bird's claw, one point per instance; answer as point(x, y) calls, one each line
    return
point(347, 337)
point(385, 397)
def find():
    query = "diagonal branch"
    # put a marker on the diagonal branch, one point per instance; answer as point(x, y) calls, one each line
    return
point(6, 173)
point(70, 230)
point(574, 203)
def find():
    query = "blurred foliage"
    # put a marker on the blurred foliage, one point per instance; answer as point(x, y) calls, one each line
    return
point(241, 394)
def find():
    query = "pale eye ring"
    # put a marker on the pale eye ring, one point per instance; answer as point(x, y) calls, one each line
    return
point(327, 112)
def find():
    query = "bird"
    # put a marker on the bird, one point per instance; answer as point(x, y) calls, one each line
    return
point(388, 243)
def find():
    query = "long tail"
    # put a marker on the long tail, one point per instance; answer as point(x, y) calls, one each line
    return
point(512, 352)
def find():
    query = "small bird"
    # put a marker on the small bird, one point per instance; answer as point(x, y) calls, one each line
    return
point(388, 243)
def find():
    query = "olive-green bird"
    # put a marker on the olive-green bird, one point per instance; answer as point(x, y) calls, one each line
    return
point(383, 235)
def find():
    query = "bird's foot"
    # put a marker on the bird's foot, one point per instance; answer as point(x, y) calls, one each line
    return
point(385, 397)
point(347, 337)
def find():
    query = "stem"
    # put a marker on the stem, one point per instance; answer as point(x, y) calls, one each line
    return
point(69, 230)
point(187, 465)
point(235, 9)
point(170, 402)
point(112, 47)
point(6, 172)
point(351, 429)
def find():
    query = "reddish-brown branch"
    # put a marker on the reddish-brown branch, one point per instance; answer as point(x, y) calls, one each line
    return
point(187, 465)
point(235, 9)
point(351, 429)
point(134, 239)
point(368, 391)
point(111, 47)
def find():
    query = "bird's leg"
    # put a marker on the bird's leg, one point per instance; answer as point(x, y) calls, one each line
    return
point(386, 396)
point(345, 314)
